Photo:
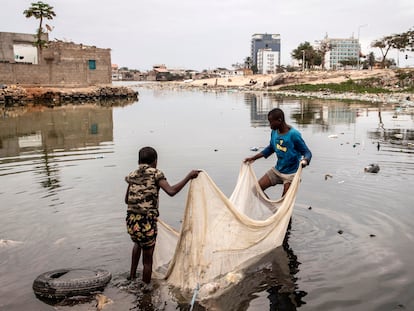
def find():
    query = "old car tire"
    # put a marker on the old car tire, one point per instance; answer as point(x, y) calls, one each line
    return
point(63, 283)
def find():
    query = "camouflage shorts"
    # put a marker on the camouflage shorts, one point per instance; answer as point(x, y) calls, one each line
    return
point(142, 228)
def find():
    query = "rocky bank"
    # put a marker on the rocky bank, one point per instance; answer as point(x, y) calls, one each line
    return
point(15, 95)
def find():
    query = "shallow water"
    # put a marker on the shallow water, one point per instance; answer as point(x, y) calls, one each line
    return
point(351, 240)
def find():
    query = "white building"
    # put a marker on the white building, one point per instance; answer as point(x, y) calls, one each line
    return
point(267, 61)
point(340, 50)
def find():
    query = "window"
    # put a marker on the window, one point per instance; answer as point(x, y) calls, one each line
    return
point(92, 64)
point(25, 53)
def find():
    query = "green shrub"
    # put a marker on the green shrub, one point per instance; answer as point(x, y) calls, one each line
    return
point(347, 86)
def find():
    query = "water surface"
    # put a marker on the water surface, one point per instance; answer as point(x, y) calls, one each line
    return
point(351, 241)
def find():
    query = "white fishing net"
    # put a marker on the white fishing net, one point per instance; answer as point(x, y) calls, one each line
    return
point(220, 236)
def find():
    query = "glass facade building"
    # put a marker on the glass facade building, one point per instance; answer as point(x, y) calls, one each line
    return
point(265, 41)
point(340, 50)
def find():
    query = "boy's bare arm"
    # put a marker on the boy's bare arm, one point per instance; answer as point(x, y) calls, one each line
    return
point(253, 158)
point(173, 190)
point(126, 195)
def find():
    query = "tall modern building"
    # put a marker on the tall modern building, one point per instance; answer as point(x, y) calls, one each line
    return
point(265, 41)
point(267, 61)
point(339, 50)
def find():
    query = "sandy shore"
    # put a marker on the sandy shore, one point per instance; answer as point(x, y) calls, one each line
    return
point(273, 83)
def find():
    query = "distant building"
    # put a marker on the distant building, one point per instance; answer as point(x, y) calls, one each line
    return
point(227, 73)
point(116, 76)
point(265, 41)
point(159, 72)
point(340, 50)
point(58, 64)
point(267, 61)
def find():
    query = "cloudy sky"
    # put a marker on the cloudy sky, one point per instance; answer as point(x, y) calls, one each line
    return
point(205, 34)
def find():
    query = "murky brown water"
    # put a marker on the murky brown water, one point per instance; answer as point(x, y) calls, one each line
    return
point(62, 188)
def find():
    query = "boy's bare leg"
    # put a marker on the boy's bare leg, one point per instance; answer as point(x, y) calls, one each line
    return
point(136, 253)
point(264, 182)
point(285, 188)
point(147, 261)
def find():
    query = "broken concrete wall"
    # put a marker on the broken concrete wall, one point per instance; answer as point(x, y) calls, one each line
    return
point(64, 64)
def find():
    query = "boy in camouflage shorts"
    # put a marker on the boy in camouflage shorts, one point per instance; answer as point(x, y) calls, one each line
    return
point(142, 197)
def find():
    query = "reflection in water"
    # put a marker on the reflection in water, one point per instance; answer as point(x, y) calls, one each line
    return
point(305, 111)
point(282, 297)
point(398, 138)
point(260, 105)
point(50, 171)
point(274, 273)
point(144, 302)
point(48, 137)
point(327, 114)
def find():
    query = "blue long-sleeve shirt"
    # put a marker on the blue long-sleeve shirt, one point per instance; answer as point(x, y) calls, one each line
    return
point(289, 149)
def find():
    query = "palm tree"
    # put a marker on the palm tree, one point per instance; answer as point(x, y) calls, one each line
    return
point(40, 10)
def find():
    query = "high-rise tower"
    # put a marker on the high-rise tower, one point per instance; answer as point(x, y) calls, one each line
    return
point(265, 41)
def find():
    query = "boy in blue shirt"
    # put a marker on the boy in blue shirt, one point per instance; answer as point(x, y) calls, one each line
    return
point(290, 149)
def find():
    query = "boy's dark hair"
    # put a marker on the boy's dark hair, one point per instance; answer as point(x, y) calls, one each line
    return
point(276, 113)
point(147, 155)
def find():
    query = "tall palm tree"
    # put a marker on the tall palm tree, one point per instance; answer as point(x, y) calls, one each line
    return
point(40, 10)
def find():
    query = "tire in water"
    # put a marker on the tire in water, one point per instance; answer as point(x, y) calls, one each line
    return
point(64, 283)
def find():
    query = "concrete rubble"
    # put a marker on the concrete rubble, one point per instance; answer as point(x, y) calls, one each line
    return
point(15, 95)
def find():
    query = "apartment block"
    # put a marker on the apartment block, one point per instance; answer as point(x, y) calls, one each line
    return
point(265, 41)
point(340, 50)
point(267, 61)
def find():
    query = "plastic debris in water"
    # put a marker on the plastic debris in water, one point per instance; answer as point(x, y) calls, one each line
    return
point(398, 135)
point(328, 176)
point(372, 168)
point(6, 243)
point(101, 301)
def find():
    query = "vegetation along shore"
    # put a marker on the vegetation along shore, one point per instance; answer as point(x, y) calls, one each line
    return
point(379, 85)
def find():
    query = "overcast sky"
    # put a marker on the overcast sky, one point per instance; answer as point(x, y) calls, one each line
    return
point(206, 34)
